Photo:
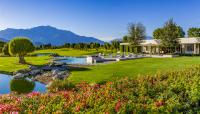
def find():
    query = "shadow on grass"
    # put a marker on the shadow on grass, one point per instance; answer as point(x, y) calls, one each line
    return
point(78, 68)
point(6, 72)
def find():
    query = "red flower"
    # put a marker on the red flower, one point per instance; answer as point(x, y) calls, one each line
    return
point(159, 103)
point(118, 106)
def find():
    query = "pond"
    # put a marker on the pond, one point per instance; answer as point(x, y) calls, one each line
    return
point(72, 60)
point(8, 84)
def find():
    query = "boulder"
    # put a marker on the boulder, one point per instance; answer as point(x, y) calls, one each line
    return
point(55, 71)
point(47, 68)
point(25, 71)
point(32, 67)
point(20, 75)
point(35, 72)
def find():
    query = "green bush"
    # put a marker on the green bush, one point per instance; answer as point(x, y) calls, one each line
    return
point(59, 85)
point(5, 49)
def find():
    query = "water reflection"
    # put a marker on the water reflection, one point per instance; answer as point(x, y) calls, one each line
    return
point(8, 85)
point(21, 86)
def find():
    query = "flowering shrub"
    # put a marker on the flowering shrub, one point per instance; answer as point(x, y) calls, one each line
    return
point(173, 92)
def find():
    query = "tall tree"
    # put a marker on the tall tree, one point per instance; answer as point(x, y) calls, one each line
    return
point(158, 33)
point(136, 33)
point(115, 44)
point(20, 47)
point(171, 34)
point(193, 32)
point(125, 39)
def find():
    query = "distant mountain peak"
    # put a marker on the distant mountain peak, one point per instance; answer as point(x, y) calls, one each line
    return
point(47, 34)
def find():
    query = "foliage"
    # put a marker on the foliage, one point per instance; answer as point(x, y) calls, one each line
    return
point(169, 35)
point(20, 47)
point(5, 49)
point(136, 33)
point(172, 92)
point(107, 46)
point(125, 39)
point(59, 85)
point(115, 44)
point(158, 33)
point(194, 32)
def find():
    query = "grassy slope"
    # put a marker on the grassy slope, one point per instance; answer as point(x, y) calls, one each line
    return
point(67, 52)
point(10, 64)
point(132, 68)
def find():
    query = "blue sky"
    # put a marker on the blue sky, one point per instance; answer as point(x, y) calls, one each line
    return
point(104, 19)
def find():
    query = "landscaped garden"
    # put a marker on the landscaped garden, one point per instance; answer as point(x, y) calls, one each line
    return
point(173, 92)
point(140, 85)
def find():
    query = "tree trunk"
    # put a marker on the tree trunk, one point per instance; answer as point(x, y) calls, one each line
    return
point(22, 60)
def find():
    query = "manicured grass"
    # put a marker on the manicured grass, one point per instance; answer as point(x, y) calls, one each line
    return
point(131, 68)
point(10, 64)
point(67, 52)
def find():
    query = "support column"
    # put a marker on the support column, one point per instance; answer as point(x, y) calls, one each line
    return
point(150, 50)
point(195, 51)
point(183, 48)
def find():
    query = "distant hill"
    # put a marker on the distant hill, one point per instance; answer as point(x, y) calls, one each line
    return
point(46, 35)
point(3, 40)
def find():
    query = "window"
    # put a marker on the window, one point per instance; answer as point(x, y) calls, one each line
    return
point(190, 47)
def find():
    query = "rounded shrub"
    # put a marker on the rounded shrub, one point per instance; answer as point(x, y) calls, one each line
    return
point(20, 46)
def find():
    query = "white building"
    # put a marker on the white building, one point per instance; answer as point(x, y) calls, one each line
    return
point(187, 46)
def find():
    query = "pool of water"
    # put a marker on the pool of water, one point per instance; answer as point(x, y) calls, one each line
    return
point(8, 84)
point(72, 60)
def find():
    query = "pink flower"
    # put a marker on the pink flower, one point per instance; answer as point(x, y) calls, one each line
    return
point(33, 94)
point(8, 108)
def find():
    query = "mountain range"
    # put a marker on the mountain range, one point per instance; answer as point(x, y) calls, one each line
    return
point(45, 35)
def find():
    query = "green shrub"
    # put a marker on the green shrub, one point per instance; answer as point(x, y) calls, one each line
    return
point(5, 49)
point(59, 85)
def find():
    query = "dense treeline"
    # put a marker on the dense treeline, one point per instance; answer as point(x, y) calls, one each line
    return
point(113, 46)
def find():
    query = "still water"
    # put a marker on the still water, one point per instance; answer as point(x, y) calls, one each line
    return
point(8, 84)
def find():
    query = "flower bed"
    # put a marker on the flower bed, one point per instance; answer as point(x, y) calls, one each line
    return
point(173, 92)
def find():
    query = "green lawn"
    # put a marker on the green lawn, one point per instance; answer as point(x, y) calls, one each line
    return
point(10, 64)
point(67, 52)
point(131, 68)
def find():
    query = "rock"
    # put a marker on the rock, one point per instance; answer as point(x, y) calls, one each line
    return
point(61, 75)
point(55, 71)
point(25, 71)
point(54, 55)
point(47, 68)
point(35, 72)
point(32, 67)
point(20, 75)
